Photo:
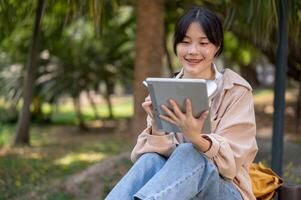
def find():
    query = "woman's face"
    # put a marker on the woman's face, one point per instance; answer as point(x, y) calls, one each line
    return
point(196, 53)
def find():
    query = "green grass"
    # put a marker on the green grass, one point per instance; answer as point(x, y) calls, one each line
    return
point(263, 91)
point(6, 133)
point(65, 115)
point(56, 152)
point(269, 92)
point(60, 196)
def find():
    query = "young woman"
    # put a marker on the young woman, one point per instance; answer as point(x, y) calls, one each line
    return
point(190, 164)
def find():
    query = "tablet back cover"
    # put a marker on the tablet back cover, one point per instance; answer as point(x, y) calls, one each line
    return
point(163, 89)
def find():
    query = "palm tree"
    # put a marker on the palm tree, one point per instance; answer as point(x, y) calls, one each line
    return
point(22, 132)
point(149, 52)
point(100, 12)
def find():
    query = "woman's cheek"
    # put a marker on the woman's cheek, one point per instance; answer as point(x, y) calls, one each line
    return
point(211, 52)
point(207, 52)
point(181, 50)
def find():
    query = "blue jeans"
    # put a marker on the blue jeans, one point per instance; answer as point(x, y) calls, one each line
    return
point(186, 175)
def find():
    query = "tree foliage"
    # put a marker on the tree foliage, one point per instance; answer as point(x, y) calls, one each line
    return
point(80, 49)
point(86, 44)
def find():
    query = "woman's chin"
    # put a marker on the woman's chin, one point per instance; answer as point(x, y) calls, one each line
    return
point(191, 68)
point(190, 71)
point(195, 71)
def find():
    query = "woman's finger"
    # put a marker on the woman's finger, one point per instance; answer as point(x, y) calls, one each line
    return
point(203, 115)
point(188, 107)
point(147, 106)
point(147, 98)
point(169, 113)
point(176, 109)
point(167, 119)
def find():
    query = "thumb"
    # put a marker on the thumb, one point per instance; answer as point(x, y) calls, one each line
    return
point(204, 115)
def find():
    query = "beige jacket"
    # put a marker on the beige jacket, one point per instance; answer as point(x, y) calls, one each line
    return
point(233, 134)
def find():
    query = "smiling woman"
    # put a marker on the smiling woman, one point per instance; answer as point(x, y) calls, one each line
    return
point(197, 40)
point(196, 53)
point(190, 164)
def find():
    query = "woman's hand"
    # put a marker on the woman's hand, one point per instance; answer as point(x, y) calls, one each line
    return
point(189, 125)
point(147, 106)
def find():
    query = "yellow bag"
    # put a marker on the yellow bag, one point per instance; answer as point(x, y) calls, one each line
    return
point(264, 181)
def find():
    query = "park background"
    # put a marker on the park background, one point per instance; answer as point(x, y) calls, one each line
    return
point(79, 67)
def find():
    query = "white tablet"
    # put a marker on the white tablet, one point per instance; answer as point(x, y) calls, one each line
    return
point(163, 89)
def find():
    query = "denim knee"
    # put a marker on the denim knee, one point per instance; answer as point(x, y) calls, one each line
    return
point(152, 158)
point(185, 148)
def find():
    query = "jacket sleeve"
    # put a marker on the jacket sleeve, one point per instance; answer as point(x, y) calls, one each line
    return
point(157, 142)
point(233, 144)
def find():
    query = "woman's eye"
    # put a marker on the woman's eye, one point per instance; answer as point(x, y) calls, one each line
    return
point(204, 43)
point(185, 42)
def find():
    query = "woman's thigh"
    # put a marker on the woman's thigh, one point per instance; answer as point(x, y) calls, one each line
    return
point(228, 189)
point(184, 174)
point(217, 188)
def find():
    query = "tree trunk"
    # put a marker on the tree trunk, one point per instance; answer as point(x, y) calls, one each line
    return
point(109, 91)
point(149, 53)
point(77, 108)
point(249, 73)
point(298, 111)
point(168, 57)
point(22, 132)
point(110, 105)
point(93, 104)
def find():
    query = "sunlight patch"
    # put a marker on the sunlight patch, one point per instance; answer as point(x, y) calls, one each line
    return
point(75, 157)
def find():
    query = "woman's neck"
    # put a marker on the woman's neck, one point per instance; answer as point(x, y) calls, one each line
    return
point(209, 75)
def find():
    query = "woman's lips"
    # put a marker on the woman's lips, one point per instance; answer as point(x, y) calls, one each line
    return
point(193, 61)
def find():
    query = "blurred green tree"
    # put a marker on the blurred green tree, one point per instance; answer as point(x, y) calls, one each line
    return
point(76, 53)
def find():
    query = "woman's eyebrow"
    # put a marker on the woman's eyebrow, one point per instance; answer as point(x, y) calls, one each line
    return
point(202, 37)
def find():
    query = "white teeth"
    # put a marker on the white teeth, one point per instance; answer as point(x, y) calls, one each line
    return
point(193, 61)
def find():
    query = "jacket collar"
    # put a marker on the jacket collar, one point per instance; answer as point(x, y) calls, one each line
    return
point(231, 78)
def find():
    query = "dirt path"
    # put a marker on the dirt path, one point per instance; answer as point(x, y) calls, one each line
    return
point(88, 184)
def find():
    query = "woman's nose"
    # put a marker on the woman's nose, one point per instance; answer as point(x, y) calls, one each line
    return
point(193, 49)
